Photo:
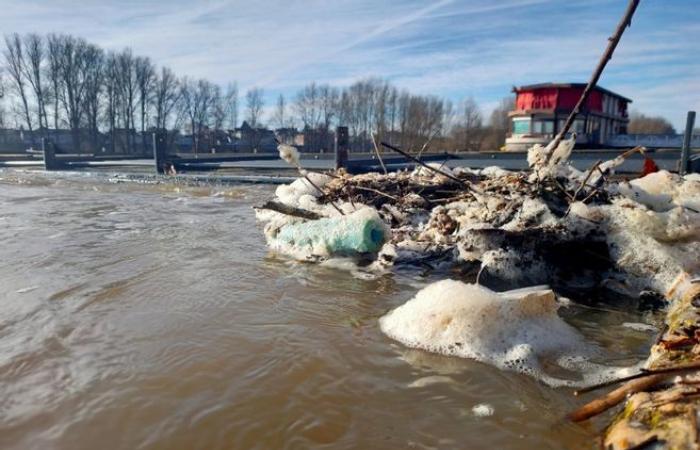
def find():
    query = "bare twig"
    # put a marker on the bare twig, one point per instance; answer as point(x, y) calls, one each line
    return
point(563, 189)
point(306, 177)
point(379, 157)
point(376, 191)
point(289, 210)
point(432, 169)
point(585, 180)
point(427, 143)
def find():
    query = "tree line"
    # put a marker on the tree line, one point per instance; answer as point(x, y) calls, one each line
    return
point(59, 81)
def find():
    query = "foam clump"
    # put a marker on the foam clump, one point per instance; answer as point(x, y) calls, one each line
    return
point(289, 154)
point(301, 191)
point(511, 330)
point(662, 191)
point(483, 410)
point(436, 173)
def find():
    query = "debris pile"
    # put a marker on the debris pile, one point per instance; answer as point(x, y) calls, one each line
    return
point(575, 231)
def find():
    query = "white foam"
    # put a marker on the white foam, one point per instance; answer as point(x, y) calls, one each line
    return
point(289, 154)
point(430, 380)
point(511, 330)
point(292, 193)
point(483, 410)
point(637, 326)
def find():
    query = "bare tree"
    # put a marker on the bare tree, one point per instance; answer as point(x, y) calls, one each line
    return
point(231, 106)
point(128, 90)
point(499, 124)
point(197, 102)
point(2, 97)
point(14, 64)
point(328, 106)
point(279, 118)
point(93, 86)
point(254, 106)
point(166, 96)
point(77, 63)
point(306, 106)
point(33, 71)
point(642, 124)
point(55, 45)
point(111, 89)
point(218, 111)
point(467, 133)
point(189, 106)
point(145, 77)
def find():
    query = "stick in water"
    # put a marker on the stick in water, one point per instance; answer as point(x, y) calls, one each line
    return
point(612, 398)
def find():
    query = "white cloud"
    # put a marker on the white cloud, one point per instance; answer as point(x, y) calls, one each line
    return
point(446, 47)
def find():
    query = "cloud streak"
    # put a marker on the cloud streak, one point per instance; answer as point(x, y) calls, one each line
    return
point(454, 48)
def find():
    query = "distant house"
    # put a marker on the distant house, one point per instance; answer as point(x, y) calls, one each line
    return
point(290, 136)
point(257, 139)
point(541, 109)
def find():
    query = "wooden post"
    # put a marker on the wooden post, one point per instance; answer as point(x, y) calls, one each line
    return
point(341, 147)
point(49, 152)
point(159, 151)
point(687, 137)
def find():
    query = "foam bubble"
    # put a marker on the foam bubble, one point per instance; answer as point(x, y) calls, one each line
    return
point(483, 410)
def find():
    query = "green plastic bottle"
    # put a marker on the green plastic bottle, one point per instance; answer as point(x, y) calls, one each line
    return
point(360, 232)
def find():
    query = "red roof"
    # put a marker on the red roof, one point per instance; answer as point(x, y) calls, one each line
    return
point(563, 97)
point(530, 87)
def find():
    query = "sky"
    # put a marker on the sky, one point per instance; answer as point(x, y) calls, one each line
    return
point(451, 48)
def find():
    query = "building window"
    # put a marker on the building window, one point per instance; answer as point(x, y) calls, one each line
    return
point(521, 125)
point(579, 126)
point(543, 126)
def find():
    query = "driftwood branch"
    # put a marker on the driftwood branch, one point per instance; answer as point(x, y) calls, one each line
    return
point(614, 397)
point(607, 55)
point(645, 372)
point(289, 210)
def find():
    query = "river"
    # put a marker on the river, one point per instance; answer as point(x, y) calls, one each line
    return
point(151, 316)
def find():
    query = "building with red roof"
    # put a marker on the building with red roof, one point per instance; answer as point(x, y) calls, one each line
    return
point(541, 110)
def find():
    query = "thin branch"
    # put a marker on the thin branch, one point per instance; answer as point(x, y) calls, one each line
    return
point(289, 210)
point(306, 177)
point(430, 139)
point(376, 191)
point(585, 180)
point(607, 55)
point(432, 169)
point(379, 157)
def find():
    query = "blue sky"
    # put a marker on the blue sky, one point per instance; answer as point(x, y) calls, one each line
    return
point(452, 48)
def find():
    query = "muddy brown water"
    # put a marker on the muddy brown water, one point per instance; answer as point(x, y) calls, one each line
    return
point(152, 316)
